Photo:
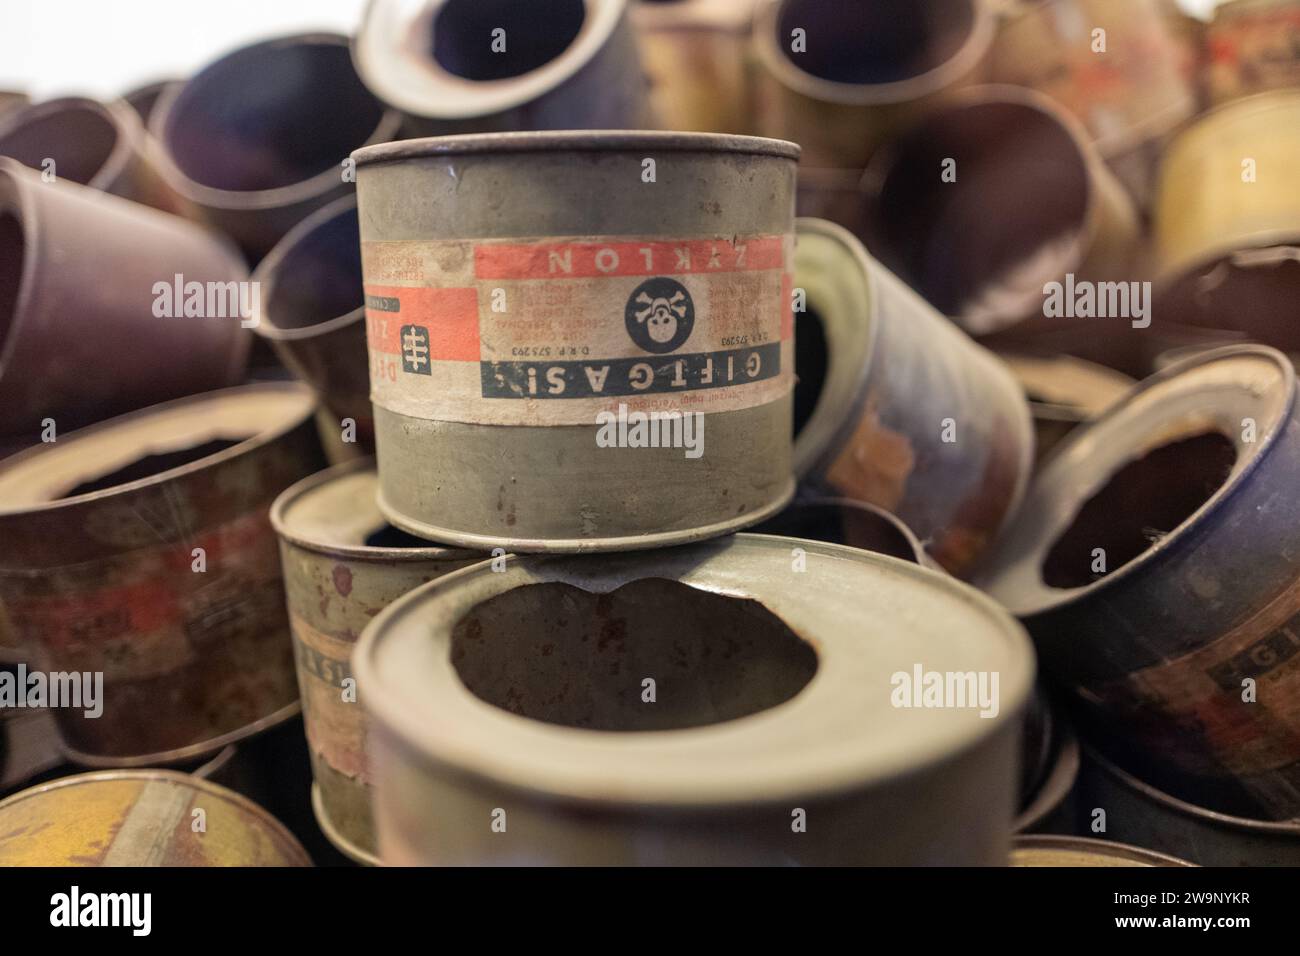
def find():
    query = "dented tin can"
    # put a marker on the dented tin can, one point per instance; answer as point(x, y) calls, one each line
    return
point(1252, 46)
point(343, 564)
point(552, 290)
point(1074, 851)
point(259, 139)
point(842, 78)
point(478, 66)
point(140, 549)
point(1227, 220)
point(1059, 211)
point(127, 818)
point(1140, 813)
point(311, 311)
point(484, 688)
point(1155, 563)
point(897, 408)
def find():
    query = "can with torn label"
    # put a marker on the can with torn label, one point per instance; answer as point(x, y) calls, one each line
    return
point(1138, 812)
point(1227, 220)
point(579, 341)
point(484, 689)
point(1074, 851)
point(129, 818)
point(343, 564)
point(140, 550)
point(1252, 46)
point(898, 408)
point(1155, 561)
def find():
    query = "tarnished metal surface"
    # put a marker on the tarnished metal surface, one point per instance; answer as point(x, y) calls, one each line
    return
point(505, 317)
point(458, 66)
point(343, 564)
point(80, 334)
point(908, 413)
point(124, 818)
point(1063, 393)
point(100, 145)
point(484, 688)
point(1227, 220)
point(257, 140)
point(1084, 851)
point(1139, 813)
point(845, 521)
point(865, 70)
point(1058, 210)
point(100, 571)
point(313, 314)
point(1155, 563)
point(1252, 46)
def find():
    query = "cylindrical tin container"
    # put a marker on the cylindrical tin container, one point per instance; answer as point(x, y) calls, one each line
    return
point(458, 66)
point(100, 145)
point(1126, 84)
point(140, 550)
point(1050, 768)
point(1063, 393)
point(1137, 812)
point(696, 53)
point(343, 564)
point(897, 408)
point(144, 98)
point(753, 701)
point(842, 77)
point(93, 306)
point(550, 291)
point(1074, 851)
point(1252, 46)
point(989, 198)
point(1227, 220)
point(312, 312)
point(853, 523)
point(260, 138)
point(141, 818)
point(1156, 563)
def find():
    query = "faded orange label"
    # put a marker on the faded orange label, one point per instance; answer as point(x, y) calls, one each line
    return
point(331, 710)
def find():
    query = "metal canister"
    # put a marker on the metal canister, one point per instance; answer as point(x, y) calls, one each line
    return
point(842, 77)
point(139, 550)
point(460, 66)
point(551, 290)
point(754, 697)
point(1114, 64)
point(1050, 769)
point(987, 199)
point(1084, 852)
point(343, 564)
point(312, 313)
point(1064, 392)
point(1137, 812)
point(1155, 561)
point(848, 522)
point(1227, 220)
point(696, 53)
point(259, 139)
point(897, 408)
point(141, 818)
point(1252, 46)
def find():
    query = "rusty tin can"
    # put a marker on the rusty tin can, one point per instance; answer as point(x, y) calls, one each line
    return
point(259, 139)
point(1137, 812)
point(125, 818)
point(1155, 561)
point(1227, 220)
point(312, 313)
point(1252, 46)
point(140, 549)
point(1026, 201)
point(550, 290)
point(82, 334)
point(898, 408)
point(462, 66)
point(749, 712)
point(1074, 851)
point(840, 78)
point(343, 564)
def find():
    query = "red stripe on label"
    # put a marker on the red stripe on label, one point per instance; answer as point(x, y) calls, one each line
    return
point(585, 260)
point(449, 315)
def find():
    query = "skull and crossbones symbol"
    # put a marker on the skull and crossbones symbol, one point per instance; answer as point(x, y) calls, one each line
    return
point(660, 315)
